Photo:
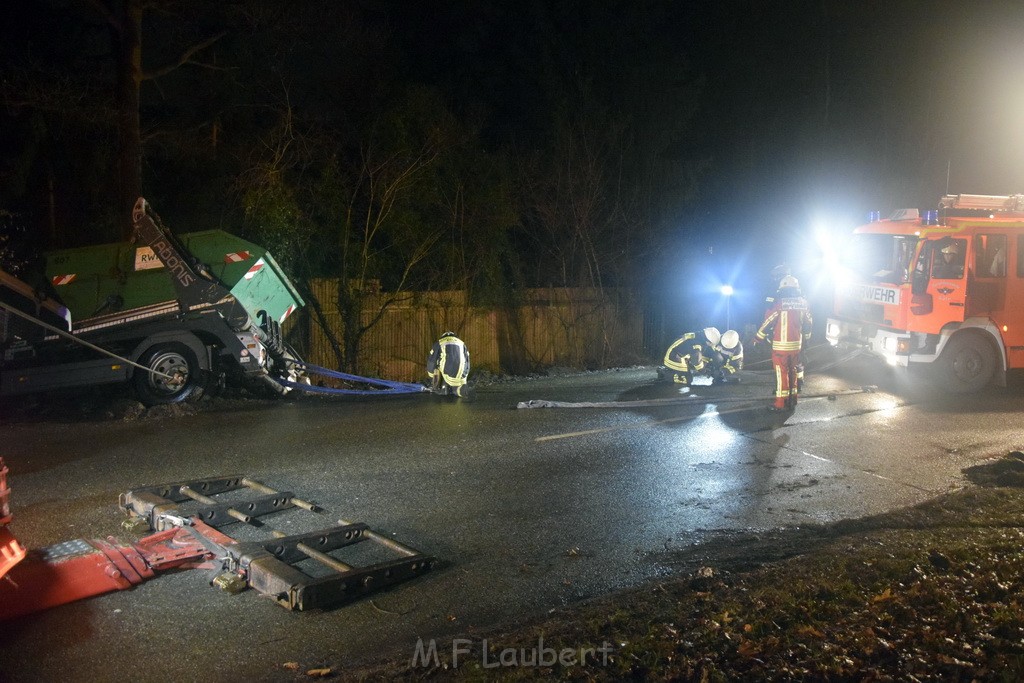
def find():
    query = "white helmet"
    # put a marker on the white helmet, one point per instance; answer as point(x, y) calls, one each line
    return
point(712, 334)
point(730, 340)
point(789, 282)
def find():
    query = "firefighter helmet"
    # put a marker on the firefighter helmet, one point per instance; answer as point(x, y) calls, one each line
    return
point(780, 271)
point(789, 282)
point(730, 340)
point(712, 335)
point(951, 248)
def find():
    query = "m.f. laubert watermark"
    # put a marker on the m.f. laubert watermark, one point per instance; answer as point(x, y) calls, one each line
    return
point(426, 654)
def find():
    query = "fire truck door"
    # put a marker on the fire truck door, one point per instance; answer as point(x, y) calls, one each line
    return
point(947, 284)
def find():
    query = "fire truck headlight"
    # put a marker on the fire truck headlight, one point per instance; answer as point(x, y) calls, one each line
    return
point(832, 331)
point(889, 344)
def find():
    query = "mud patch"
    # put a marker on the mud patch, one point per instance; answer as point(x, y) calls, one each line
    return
point(1007, 471)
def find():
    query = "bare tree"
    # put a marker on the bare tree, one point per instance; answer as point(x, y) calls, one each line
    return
point(373, 233)
point(124, 21)
point(376, 204)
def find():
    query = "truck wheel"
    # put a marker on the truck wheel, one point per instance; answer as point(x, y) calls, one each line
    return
point(967, 364)
point(173, 359)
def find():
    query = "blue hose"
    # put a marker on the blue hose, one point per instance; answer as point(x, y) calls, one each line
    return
point(389, 387)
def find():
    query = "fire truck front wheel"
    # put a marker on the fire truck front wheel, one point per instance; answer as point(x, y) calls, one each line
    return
point(967, 364)
point(176, 375)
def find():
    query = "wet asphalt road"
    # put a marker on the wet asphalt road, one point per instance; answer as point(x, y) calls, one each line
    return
point(527, 510)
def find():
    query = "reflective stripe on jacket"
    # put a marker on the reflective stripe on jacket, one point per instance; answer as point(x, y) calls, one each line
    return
point(787, 324)
point(449, 357)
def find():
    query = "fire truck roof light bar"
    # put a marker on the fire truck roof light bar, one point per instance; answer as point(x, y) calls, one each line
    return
point(1014, 202)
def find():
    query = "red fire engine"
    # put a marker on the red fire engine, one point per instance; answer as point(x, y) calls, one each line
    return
point(945, 289)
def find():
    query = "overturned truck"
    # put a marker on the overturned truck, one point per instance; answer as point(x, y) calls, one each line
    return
point(171, 316)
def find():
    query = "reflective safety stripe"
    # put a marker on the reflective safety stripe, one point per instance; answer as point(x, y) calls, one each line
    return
point(679, 367)
point(683, 364)
point(236, 257)
point(59, 280)
point(459, 377)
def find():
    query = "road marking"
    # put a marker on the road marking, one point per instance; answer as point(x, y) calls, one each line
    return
point(713, 413)
point(685, 418)
point(876, 475)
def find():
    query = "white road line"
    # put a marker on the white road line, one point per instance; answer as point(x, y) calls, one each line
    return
point(588, 432)
point(685, 418)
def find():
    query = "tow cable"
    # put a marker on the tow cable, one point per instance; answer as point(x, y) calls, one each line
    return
point(388, 387)
point(67, 335)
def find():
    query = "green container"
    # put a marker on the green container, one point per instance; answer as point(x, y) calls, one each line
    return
point(108, 278)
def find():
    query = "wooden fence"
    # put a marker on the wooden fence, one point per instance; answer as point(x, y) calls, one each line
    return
point(578, 328)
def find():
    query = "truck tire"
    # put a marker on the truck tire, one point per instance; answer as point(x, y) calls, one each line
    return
point(967, 364)
point(172, 358)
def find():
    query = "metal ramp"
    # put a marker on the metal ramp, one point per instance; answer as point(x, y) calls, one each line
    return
point(270, 565)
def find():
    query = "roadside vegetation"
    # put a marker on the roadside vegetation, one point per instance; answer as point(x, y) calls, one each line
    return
point(928, 593)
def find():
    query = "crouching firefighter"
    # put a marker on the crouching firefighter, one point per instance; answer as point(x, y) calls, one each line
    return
point(727, 358)
point(448, 366)
point(689, 354)
point(786, 326)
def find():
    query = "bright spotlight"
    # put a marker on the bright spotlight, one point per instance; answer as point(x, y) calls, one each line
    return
point(827, 250)
point(727, 293)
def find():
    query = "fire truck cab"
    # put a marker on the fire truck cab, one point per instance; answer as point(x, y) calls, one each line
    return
point(945, 289)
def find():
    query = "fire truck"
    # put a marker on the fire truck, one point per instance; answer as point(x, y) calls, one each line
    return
point(944, 290)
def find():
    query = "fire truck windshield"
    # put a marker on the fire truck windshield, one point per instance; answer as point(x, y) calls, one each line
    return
point(880, 258)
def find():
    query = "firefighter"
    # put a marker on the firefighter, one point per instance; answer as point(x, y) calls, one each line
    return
point(950, 265)
point(448, 366)
point(727, 358)
point(690, 354)
point(776, 275)
point(786, 326)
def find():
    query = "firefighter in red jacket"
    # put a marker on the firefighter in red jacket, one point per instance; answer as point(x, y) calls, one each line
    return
point(786, 326)
point(777, 274)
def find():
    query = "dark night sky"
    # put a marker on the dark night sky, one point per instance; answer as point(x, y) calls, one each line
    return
point(826, 103)
point(832, 104)
point(807, 109)
point(812, 110)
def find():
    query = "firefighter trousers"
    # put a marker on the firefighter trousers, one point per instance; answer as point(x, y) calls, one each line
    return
point(785, 364)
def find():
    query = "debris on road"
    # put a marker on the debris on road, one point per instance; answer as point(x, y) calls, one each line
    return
point(190, 538)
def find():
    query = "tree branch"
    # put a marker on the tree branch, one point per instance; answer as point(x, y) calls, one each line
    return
point(183, 58)
point(105, 12)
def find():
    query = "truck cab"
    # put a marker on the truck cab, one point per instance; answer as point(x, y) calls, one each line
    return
point(944, 290)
